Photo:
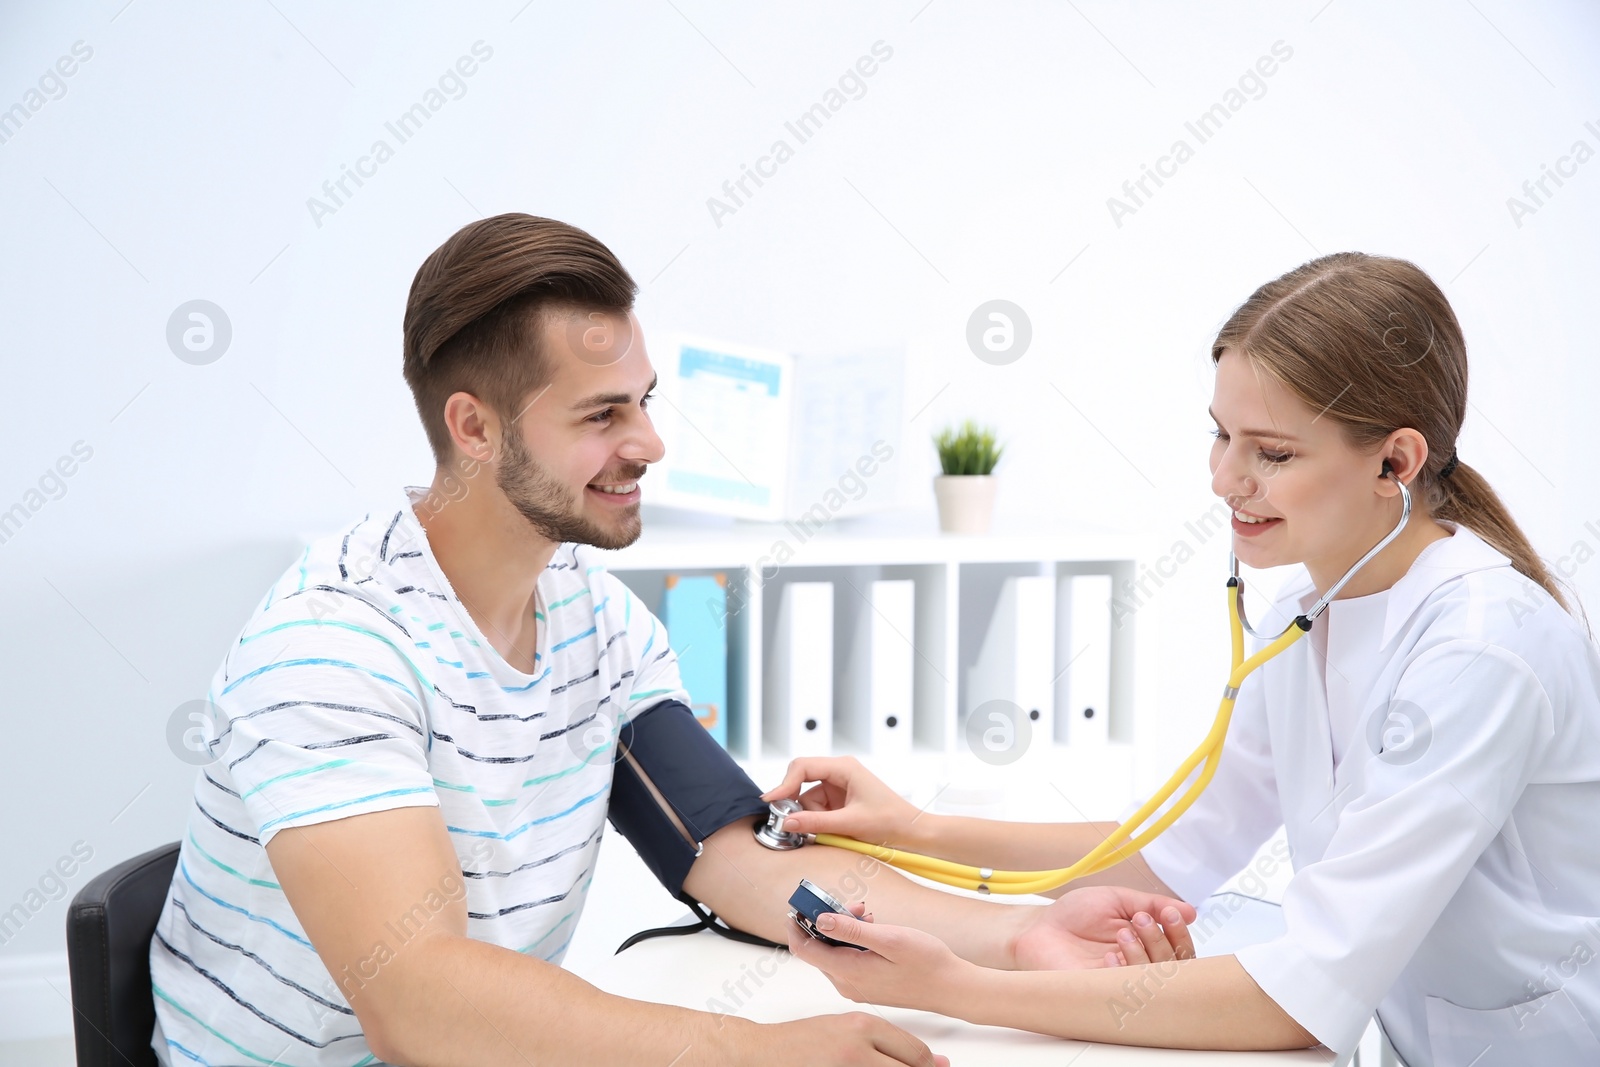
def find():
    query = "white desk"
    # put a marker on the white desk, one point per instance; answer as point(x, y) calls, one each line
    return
point(700, 971)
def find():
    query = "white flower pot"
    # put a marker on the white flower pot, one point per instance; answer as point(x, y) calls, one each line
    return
point(966, 502)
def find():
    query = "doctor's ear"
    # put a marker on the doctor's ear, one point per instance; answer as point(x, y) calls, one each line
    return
point(1405, 452)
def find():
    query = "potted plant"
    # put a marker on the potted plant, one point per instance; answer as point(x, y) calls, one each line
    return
point(965, 491)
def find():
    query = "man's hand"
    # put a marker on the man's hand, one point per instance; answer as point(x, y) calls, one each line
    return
point(1102, 926)
point(855, 1037)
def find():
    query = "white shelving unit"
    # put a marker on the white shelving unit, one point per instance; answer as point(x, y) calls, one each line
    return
point(957, 584)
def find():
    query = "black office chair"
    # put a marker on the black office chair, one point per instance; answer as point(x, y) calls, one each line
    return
point(109, 927)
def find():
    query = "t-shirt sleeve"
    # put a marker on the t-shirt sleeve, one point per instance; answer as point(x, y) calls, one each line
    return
point(1468, 721)
point(325, 717)
point(1214, 839)
point(652, 675)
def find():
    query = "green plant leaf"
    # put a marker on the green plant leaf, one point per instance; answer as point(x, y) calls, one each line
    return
point(967, 449)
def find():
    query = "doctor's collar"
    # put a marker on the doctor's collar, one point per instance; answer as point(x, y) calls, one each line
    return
point(1441, 561)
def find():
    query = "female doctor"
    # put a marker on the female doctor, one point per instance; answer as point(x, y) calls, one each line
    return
point(1432, 746)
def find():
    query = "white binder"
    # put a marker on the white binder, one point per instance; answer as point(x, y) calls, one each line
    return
point(797, 709)
point(874, 713)
point(1017, 658)
point(1083, 711)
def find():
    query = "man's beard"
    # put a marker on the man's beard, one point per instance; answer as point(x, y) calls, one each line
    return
point(550, 508)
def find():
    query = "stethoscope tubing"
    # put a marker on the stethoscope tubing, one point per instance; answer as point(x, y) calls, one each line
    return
point(1122, 843)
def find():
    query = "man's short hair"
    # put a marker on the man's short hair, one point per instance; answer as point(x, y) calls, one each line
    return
point(472, 319)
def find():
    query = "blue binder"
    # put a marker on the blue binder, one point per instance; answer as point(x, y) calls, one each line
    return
point(693, 610)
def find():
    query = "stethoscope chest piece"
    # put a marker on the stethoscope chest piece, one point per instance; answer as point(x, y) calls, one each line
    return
point(771, 834)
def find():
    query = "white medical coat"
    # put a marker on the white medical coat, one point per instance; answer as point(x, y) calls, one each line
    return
point(1448, 875)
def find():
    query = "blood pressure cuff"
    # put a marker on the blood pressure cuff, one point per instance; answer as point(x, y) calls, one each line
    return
point(667, 748)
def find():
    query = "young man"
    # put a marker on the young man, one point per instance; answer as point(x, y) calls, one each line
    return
point(432, 713)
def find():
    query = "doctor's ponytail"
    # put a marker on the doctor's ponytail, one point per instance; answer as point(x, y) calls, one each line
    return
point(1372, 343)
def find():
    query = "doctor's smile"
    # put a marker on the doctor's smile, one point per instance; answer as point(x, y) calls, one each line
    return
point(1249, 525)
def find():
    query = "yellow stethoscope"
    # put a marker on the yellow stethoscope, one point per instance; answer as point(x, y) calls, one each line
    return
point(1122, 843)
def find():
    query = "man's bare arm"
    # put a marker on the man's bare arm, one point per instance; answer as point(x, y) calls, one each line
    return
point(444, 999)
point(749, 885)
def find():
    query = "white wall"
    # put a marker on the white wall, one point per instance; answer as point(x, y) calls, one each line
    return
point(977, 165)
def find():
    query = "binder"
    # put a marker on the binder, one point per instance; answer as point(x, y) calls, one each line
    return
point(1017, 659)
point(1083, 714)
point(877, 660)
point(797, 709)
point(692, 609)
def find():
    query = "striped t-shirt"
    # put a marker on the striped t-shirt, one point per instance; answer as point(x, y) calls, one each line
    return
point(359, 684)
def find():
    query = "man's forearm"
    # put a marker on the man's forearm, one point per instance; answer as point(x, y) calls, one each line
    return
point(456, 1001)
point(1026, 846)
point(749, 887)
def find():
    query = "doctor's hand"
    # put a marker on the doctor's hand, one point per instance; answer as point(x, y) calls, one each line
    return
point(848, 799)
point(904, 967)
point(1101, 926)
